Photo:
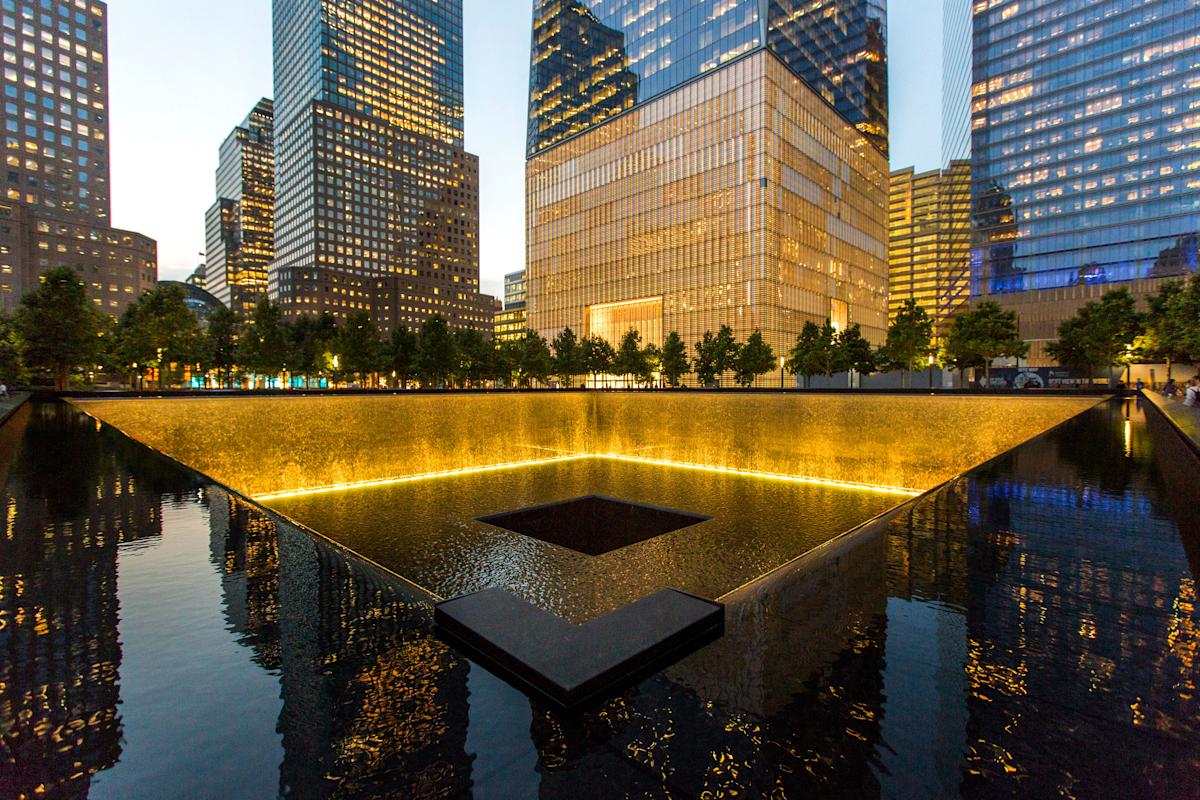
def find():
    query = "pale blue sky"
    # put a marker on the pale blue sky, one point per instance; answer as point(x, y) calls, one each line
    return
point(184, 72)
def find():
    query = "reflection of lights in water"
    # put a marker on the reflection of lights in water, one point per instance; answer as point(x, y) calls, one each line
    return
point(1128, 439)
point(804, 479)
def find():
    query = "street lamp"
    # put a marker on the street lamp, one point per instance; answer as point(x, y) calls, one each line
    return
point(782, 361)
point(931, 371)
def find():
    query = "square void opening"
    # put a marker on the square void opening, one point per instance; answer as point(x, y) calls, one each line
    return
point(595, 524)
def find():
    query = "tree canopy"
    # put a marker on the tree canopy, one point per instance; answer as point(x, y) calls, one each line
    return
point(982, 334)
point(60, 326)
point(909, 339)
point(754, 358)
point(1101, 335)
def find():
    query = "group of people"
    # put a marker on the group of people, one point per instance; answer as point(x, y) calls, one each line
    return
point(1189, 392)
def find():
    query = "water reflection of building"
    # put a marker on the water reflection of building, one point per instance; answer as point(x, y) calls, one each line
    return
point(1096, 616)
point(372, 703)
point(69, 504)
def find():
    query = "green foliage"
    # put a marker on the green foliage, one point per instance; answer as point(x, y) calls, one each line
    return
point(219, 351)
point(1101, 335)
point(1172, 332)
point(400, 354)
point(474, 357)
point(60, 326)
point(534, 362)
point(263, 346)
point(705, 362)
point(807, 356)
point(856, 351)
point(312, 341)
point(673, 361)
point(12, 353)
point(157, 331)
point(437, 353)
point(909, 339)
point(569, 356)
point(725, 350)
point(598, 356)
point(754, 358)
point(982, 334)
point(631, 360)
point(358, 345)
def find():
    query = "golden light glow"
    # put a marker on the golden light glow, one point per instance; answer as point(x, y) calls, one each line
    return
point(450, 473)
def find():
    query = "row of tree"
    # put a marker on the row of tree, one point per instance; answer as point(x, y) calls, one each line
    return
point(57, 331)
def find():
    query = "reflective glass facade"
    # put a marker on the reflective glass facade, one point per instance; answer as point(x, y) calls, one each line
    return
point(377, 204)
point(956, 80)
point(929, 253)
point(742, 198)
point(240, 226)
point(594, 59)
point(839, 47)
point(1085, 145)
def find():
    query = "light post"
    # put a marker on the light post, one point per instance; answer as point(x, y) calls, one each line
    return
point(931, 371)
point(782, 361)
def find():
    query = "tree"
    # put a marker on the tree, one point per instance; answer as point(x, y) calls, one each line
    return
point(705, 362)
point(437, 353)
point(1102, 334)
point(673, 362)
point(400, 354)
point(1166, 329)
point(982, 334)
point(754, 358)
point(220, 343)
point(474, 357)
point(598, 356)
point(1184, 310)
point(857, 354)
point(806, 358)
point(263, 346)
point(358, 345)
point(534, 362)
point(156, 332)
point(909, 339)
point(12, 353)
point(60, 326)
point(312, 342)
point(630, 359)
point(568, 357)
point(725, 351)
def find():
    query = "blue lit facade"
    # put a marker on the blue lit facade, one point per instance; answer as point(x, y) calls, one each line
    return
point(1085, 147)
point(594, 59)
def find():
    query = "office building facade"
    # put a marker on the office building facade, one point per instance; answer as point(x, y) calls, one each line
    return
point(956, 80)
point(377, 203)
point(929, 254)
point(56, 206)
point(240, 226)
point(1085, 129)
point(722, 189)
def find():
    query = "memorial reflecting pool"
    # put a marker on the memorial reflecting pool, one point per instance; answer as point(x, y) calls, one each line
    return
point(1030, 629)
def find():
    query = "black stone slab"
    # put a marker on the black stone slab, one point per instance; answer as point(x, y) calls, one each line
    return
point(594, 524)
point(568, 665)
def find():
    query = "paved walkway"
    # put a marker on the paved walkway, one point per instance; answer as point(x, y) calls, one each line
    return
point(1188, 419)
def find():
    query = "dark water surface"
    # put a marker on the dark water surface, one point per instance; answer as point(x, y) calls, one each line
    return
point(1031, 630)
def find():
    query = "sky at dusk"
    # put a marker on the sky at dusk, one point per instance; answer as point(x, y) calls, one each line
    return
point(184, 72)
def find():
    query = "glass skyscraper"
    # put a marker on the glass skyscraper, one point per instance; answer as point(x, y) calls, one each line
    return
point(1085, 147)
point(956, 80)
point(240, 226)
point(377, 204)
point(694, 164)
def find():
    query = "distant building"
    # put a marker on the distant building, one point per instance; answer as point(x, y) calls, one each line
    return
point(240, 226)
point(56, 206)
point(198, 278)
point(956, 80)
point(377, 203)
point(692, 165)
point(929, 257)
point(1084, 128)
point(512, 322)
point(201, 303)
point(514, 290)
